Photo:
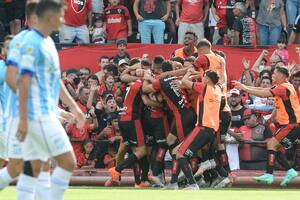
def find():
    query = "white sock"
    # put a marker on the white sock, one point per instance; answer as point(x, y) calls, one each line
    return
point(26, 187)
point(59, 183)
point(5, 178)
point(43, 189)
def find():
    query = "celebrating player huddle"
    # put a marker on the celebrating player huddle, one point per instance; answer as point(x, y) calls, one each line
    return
point(176, 108)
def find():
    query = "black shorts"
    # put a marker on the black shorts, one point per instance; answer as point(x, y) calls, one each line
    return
point(198, 138)
point(132, 133)
point(155, 129)
point(15, 10)
point(225, 119)
point(184, 124)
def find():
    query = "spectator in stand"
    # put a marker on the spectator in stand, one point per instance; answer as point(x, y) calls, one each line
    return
point(75, 27)
point(83, 96)
point(117, 22)
point(244, 27)
point(150, 17)
point(15, 14)
point(84, 73)
point(253, 156)
point(292, 10)
point(103, 61)
point(122, 53)
point(87, 159)
point(271, 20)
point(237, 112)
point(98, 32)
point(222, 11)
point(189, 46)
point(191, 17)
point(295, 31)
point(108, 86)
point(97, 7)
point(92, 80)
point(72, 81)
point(224, 39)
point(282, 50)
point(77, 136)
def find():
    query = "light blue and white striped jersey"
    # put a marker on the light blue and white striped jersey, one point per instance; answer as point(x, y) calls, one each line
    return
point(39, 59)
point(13, 59)
point(2, 94)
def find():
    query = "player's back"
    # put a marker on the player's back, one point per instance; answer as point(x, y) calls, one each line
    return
point(39, 59)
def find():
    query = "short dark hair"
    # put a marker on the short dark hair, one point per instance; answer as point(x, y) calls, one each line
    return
point(214, 77)
point(146, 62)
point(204, 43)
point(94, 77)
point(48, 5)
point(297, 74)
point(119, 42)
point(112, 68)
point(283, 71)
point(178, 59)
point(30, 9)
point(265, 71)
point(192, 33)
point(166, 66)
point(158, 60)
point(134, 61)
point(72, 71)
point(103, 57)
point(266, 77)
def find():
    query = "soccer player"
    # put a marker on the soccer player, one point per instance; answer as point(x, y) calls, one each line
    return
point(130, 122)
point(40, 87)
point(184, 115)
point(287, 116)
point(3, 95)
point(209, 101)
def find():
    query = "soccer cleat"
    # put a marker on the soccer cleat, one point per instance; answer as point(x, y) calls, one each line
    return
point(266, 178)
point(203, 167)
point(181, 176)
point(202, 184)
point(141, 185)
point(156, 180)
point(115, 175)
point(224, 183)
point(171, 186)
point(192, 187)
point(289, 176)
point(216, 181)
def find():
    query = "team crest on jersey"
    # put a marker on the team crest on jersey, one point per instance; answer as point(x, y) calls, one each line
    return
point(18, 45)
point(29, 50)
point(78, 5)
point(119, 11)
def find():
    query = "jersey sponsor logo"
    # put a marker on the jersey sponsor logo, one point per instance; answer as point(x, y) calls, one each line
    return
point(78, 5)
point(114, 20)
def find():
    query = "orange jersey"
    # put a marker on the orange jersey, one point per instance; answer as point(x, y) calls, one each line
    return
point(180, 53)
point(209, 103)
point(286, 103)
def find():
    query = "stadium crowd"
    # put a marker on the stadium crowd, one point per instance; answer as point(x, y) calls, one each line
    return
point(144, 108)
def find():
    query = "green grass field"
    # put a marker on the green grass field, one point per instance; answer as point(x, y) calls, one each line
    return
point(101, 193)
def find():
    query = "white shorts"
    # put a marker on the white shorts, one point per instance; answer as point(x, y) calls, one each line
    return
point(45, 139)
point(14, 146)
point(3, 154)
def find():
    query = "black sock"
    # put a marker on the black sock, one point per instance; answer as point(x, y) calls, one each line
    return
point(281, 158)
point(271, 161)
point(158, 161)
point(221, 171)
point(144, 164)
point(213, 174)
point(185, 167)
point(207, 176)
point(223, 158)
point(137, 173)
point(175, 170)
point(126, 163)
point(194, 164)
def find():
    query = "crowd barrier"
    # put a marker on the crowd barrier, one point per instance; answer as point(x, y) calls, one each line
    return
point(88, 55)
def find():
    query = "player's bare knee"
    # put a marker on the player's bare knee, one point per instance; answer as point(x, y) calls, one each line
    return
point(15, 167)
point(140, 152)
